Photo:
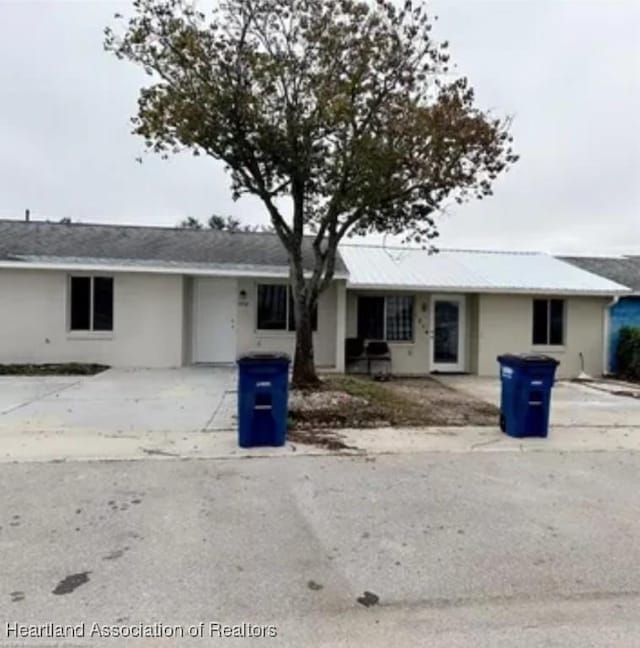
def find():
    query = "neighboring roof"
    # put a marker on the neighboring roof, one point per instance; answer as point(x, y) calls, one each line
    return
point(380, 267)
point(622, 269)
point(175, 249)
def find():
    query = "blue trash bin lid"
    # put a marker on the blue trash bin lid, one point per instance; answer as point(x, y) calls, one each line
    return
point(526, 359)
point(259, 357)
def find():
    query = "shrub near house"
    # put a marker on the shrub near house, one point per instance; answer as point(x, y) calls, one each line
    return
point(629, 352)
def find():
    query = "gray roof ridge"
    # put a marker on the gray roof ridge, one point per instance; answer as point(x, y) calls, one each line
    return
point(173, 228)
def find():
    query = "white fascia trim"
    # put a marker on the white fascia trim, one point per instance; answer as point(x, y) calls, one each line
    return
point(180, 270)
point(483, 290)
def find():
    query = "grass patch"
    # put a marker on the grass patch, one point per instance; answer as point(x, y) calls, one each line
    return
point(360, 402)
point(64, 369)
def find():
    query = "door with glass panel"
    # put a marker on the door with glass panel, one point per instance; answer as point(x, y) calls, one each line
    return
point(448, 333)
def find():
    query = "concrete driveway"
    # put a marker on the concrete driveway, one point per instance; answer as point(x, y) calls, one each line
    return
point(122, 401)
point(122, 408)
point(577, 405)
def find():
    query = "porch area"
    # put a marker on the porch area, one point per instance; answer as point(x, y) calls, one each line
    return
point(411, 333)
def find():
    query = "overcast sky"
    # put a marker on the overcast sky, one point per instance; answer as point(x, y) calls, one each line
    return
point(568, 70)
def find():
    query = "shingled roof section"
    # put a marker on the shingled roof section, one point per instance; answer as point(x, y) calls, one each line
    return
point(624, 270)
point(130, 244)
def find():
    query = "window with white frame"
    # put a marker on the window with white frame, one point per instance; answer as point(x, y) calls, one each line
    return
point(386, 318)
point(548, 321)
point(276, 309)
point(91, 303)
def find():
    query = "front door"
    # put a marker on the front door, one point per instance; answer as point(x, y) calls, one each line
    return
point(214, 320)
point(447, 333)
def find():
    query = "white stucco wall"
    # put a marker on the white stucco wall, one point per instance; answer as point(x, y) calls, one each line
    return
point(498, 324)
point(472, 334)
point(505, 326)
point(147, 321)
point(187, 320)
point(251, 339)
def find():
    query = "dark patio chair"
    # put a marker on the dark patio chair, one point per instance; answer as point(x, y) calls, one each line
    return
point(353, 349)
point(378, 353)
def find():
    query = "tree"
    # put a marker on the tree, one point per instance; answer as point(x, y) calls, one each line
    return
point(190, 223)
point(228, 224)
point(221, 224)
point(231, 224)
point(345, 108)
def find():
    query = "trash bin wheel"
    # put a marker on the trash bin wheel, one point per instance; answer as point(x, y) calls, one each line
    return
point(503, 423)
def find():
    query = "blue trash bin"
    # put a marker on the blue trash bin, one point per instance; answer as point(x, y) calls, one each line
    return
point(263, 393)
point(525, 401)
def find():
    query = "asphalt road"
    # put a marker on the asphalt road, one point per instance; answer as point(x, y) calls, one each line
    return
point(483, 549)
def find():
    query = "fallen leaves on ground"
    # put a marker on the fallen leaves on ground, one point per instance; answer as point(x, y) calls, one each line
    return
point(360, 402)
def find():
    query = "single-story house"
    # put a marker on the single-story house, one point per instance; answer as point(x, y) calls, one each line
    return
point(166, 297)
point(150, 296)
point(457, 310)
point(625, 310)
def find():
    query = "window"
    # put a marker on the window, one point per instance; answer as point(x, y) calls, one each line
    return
point(386, 318)
point(548, 321)
point(276, 310)
point(399, 318)
point(272, 307)
point(91, 304)
point(371, 318)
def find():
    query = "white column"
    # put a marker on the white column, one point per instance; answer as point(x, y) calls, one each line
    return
point(341, 323)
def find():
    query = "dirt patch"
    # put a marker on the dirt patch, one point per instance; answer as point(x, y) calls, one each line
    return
point(359, 402)
point(160, 453)
point(67, 369)
point(321, 438)
point(627, 393)
point(615, 387)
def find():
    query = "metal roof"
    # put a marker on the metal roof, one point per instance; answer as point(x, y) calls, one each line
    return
point(622, 269)
point(381, 267)
point(129, 245)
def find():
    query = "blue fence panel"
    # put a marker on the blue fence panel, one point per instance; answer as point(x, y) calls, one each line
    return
point(625, 313)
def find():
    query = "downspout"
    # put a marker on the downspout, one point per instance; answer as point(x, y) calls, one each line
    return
point(606, 331)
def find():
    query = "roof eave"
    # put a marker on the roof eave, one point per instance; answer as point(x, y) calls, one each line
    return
point(490, 290)
point(274, 272)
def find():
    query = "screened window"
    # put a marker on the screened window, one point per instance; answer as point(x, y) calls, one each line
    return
point(276, 310)
point(91, 300)
point(548, 321)
point(399, 318)
point(386, 318)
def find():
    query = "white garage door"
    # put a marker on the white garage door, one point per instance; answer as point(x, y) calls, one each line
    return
point(214, 320)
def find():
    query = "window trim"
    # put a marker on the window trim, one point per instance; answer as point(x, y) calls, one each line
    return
point(385, 296)
point(90, 333)
point(548, 345)
point(283, 331)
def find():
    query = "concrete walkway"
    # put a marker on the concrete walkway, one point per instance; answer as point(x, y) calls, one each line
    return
point(96, 446)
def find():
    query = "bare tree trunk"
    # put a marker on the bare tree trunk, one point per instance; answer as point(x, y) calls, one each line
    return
point(304, 368)
point(305, 297)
